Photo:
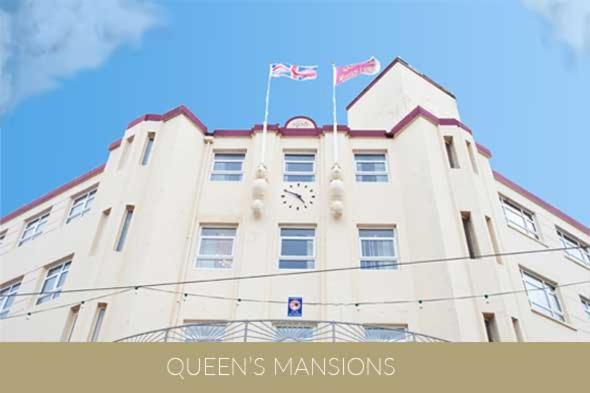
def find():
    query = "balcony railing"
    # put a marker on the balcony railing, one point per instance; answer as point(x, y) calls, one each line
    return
point(280, 331)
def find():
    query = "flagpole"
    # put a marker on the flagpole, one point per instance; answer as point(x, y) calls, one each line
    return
point(265, 123)
point(335, 124)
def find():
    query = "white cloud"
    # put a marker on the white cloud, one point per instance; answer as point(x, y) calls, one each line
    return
point(44, 42)
point(570, 20)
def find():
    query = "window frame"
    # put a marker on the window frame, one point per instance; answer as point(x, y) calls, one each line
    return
point(215, 172)
point(40, 220)
point(61, 269)
point(221, 326)
point(216, 257)
point(544, 287)
point(86, 196)
point(287, 173)
point(585, 306)
point(358, 175)
point(148, 148)
point(584, 249)
point(305, 258)
point(281, 331)
point(394, 258)
point(8, 293)
point(523, 212)
point(386, 328)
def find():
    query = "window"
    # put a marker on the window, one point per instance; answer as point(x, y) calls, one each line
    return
point(472, 157)
point(206, 332)
point(227, 167)
point(81, 205)
point(472, 248)
point(294, 332)
point(299, 167)
point(371, 167)
point(100, 311)
point(7, 296)
point(519, 218)
point(493, 239)
point(71, 324)
point(489, 321)
point(378, 249)
point(216, 248)
point(543, 296)
point(451, 155)
point(586, 306)
point(54, 282)
point(147, 151)
point(33, 228)
point(386, 334)
point(297, 248)
point(581, 253)
point(517, 329)
point(124, 228)
point(125, 152)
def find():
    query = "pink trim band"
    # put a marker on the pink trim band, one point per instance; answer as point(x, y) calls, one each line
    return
point(179, 110)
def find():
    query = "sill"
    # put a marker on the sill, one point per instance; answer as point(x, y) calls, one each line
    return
point(527, 235)
point(562, 323)
point(578, 262)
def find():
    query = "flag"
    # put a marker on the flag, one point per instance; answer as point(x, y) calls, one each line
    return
point(295, 72)
point(346, 72)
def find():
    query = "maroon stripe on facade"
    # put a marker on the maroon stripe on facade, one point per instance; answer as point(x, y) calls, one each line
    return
point(532, 197)
point(385, 70)
point(483, 150)
point(419, 111)
point(300, 131)
point(115, 144)
point(51, 194)
point(179, 110)
point(302, 117)
point(238, 133)
point(368, 134)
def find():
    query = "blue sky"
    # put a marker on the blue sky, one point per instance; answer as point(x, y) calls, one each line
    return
point(521, 80)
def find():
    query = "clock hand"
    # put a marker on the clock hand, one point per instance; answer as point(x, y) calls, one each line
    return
point(293, 193)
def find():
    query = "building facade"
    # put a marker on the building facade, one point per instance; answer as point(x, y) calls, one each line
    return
point(425, 236)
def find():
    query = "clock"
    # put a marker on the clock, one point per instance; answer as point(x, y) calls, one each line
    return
point(298, 196)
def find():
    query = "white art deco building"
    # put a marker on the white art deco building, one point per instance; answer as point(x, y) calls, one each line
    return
point(421, 238)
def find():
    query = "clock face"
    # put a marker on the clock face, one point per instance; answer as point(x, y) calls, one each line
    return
point(298, 196)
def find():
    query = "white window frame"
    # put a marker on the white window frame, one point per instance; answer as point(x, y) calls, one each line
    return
point(37, 224)
point(219, 330)
point(361, 174)
point(220, 259)
point(585, 305)
point(83, 199)
point(385, 329)
point(222, 172)
point(548, 289)
point(581, 254)
point(526, 215)
point(305, 258)
point(393, 260)
point(148, 148)
point(7, 293)
point(287, 173)
point(59, 270)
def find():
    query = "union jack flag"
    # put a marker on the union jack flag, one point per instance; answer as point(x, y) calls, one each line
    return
point(295, 72)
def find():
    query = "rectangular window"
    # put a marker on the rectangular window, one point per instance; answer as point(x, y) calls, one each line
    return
point(98, 319)
point(99, 231)
point(227, 167)
point(71, 324)
point(519, 218)
point(147, 150)
point(585, 306)
point(33, 228)
point(297, 250)
point(7, 297)
point(489, 321)
point(493, 239)
point(371, 167)
point(386, 334)
point(517, 329)
point(125, 152)
point(378, 249)
point(54, 282)
point(294, 332)
point(472, 157)
point(299, 167)
point(575, 248)
point(81, 205)
point(469, 232)
point(204, 332)
point(124, 228)
point(216, 248)
point(451, 155)
point(543, 296)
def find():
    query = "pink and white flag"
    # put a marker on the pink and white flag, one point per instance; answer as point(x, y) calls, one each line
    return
point(292, 71)
point(346, 72)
